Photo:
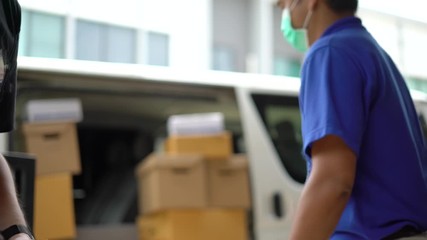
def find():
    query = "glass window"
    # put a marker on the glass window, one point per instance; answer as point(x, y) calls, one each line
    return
point(42, 35)
point(88, 41)
point(158, 49)
point(102, 42)
point(120, 45)
point(223, 59)
point(417, 84)
point(231, 35)
point(410, 83)
point(281, 116)
point(286, 67)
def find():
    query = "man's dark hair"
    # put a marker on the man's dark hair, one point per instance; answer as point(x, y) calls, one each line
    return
point(343, 5)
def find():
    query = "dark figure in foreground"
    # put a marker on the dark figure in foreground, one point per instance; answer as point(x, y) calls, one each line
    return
point(12, 221)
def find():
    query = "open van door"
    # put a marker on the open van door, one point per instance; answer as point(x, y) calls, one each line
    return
point(271, 127)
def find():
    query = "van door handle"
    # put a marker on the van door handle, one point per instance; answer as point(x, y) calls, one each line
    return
point(277, 205)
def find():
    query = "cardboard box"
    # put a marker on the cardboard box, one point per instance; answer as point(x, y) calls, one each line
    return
point(54, 207)
point(224, 224)
point(55, 146)
point(213, 147)
point(228, 183)
point(208, 224)
point(167, 182)
point(173, 225)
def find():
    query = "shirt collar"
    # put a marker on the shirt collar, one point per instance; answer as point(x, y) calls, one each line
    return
point(344, 23)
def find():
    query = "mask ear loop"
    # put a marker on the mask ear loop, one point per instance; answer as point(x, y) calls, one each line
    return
point(307, 19)
point(293, 5)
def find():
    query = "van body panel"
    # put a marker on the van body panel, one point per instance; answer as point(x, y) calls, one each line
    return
point(268, 182)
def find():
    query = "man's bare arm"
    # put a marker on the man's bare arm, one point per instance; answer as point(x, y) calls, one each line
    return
point(327, 190)
point(10, 210)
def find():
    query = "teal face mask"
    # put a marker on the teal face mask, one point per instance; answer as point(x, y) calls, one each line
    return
point(296, 37)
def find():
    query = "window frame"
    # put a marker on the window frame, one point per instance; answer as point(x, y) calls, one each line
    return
point(298, 172)
point(105, 30)
point(26, 37)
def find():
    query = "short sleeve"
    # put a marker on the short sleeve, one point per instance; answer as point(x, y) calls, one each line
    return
point(332, 99)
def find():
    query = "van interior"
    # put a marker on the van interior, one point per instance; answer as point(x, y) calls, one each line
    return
point(124, 120)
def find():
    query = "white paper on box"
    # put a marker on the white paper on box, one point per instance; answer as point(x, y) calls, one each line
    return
point(54, 110)
point(195, 124)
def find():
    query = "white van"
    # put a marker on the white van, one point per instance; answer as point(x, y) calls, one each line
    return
point(125, 111)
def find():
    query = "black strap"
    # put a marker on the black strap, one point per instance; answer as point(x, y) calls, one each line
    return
point(14, 230)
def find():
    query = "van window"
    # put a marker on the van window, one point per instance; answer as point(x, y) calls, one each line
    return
point(282, 120)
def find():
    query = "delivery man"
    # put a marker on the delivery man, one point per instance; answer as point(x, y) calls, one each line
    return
point(367, 160)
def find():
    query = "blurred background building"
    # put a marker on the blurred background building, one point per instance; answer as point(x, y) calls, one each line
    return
point(229, 35)
point(189, 35)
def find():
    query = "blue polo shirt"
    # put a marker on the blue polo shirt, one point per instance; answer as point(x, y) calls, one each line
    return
point(352, 89)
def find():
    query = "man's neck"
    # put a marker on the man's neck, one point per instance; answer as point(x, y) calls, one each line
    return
point(321, 20)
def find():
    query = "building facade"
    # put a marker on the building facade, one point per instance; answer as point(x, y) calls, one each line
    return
point(228, 35)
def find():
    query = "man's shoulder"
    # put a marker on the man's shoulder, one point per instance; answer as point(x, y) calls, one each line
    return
point(351, 41)
point(344, 47)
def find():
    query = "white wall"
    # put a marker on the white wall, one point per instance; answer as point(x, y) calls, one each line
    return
point(231, 29)
point(409, 9)
point(385, 30)
point(188, 28)
point(123, 12)
point(404, 39)
point(415, 50)
point(52, 6)
point(187, 22)
point(261, 55)
point(191, 33)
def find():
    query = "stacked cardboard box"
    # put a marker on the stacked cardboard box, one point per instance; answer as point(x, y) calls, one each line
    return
point(54, 207)
point(228, 183)
point(171, 182)
point(197, 190)
point(212, 147)
point(203, 224)
point(55, 145)
point(56, 148)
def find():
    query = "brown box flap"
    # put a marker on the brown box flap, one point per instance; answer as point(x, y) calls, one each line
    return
point(46, 128)
point(169, 161)
point(236, 162)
